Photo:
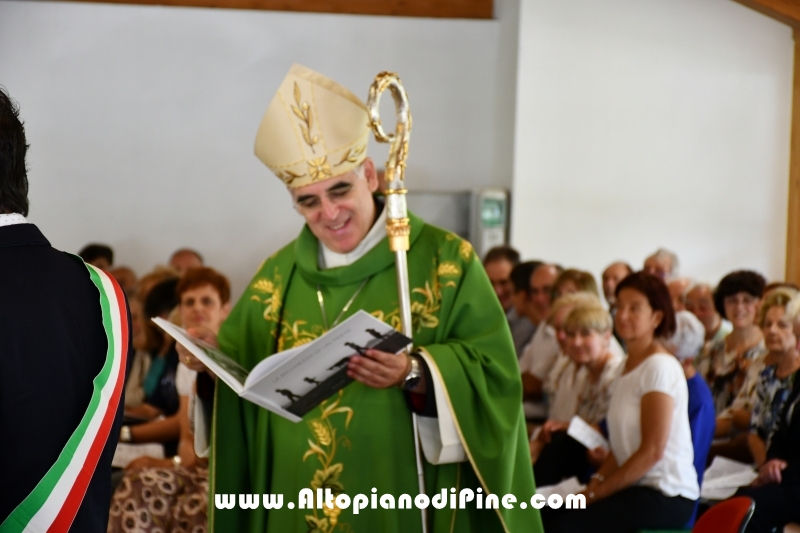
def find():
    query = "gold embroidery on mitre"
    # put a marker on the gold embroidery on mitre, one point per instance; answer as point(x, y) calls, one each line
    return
point(303, 112)
point(287, 176)
point(313, 129)
point(351, 155)
point(319, 169)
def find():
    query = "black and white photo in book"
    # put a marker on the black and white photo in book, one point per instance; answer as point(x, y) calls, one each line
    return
point(295, 381)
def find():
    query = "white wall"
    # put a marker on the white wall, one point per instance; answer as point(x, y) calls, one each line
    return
point(628, 124)
point(647, 123)
point(141, 120)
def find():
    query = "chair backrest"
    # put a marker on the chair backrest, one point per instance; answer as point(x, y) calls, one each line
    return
point(730, 516)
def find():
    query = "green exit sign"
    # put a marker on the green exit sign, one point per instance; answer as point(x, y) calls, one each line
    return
point(493, 212)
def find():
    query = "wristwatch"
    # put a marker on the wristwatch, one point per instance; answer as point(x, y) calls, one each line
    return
point(414, 375)
point(125, 434)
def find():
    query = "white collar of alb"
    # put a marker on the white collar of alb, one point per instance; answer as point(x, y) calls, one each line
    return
point(330, 259)
point(12, 218)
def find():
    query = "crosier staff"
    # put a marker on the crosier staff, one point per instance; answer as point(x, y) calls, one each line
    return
point(398, 228)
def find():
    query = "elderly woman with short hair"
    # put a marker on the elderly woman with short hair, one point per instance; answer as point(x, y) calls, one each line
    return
point(584, 389)
point(776, 491)
point(775, 381)
point(736, 420)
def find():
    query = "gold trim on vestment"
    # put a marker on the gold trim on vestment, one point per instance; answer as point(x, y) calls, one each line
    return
point(458, 489)
point(212, 489)
point(433, 367)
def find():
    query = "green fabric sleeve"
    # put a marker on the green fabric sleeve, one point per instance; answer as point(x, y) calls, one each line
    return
point(474, 355)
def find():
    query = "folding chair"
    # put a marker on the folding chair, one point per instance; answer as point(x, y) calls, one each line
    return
point(729, 516)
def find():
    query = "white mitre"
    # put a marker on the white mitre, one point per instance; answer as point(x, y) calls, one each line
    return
point(313, 129)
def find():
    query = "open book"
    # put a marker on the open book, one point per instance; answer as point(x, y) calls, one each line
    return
point(293, 382)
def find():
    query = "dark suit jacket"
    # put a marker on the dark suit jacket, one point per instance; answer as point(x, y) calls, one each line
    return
point(786, 439)
point(52, 345)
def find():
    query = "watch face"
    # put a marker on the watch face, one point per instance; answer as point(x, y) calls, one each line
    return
point(411, 382)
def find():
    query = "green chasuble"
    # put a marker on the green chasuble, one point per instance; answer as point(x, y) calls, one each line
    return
point(361, 438)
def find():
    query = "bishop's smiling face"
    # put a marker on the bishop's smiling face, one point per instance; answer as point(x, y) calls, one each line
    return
point(340, 210)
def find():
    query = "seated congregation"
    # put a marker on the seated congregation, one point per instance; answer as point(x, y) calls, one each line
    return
point(672, 373)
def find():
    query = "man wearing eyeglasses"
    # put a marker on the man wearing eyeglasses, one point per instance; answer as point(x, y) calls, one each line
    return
point(462, 377)
point(540, 354)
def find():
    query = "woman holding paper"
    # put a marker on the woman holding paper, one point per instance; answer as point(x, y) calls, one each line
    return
point(594, 367)
point(648, 480)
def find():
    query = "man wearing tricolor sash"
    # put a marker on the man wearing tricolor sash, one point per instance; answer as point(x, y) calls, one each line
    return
point(462, 375)
point(64, 343)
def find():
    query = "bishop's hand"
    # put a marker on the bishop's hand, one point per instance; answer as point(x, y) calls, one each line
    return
point(381, 370)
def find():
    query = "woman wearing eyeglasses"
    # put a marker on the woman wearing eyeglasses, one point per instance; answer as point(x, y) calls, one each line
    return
point(733, 364)
point(737, 298)
point(648, 481)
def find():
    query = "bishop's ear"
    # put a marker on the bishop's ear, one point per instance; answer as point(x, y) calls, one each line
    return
point(370, 174)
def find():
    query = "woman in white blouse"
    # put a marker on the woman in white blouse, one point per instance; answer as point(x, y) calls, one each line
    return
point(648, 480)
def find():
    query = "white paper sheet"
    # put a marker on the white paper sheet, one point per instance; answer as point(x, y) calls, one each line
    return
point(586, 434)
point(127, 452)
point(566, 487)
point(728, 473)
point(717, 494)
point(724, 476)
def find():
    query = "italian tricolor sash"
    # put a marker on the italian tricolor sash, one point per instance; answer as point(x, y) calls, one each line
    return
point(55, 501)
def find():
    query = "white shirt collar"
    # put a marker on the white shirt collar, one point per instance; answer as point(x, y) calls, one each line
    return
point(12, 218)
point(330, 259)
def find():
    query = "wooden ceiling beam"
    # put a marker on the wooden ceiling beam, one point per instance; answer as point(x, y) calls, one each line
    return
point(469, 9)
point(786, 11)
point(793, 222)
